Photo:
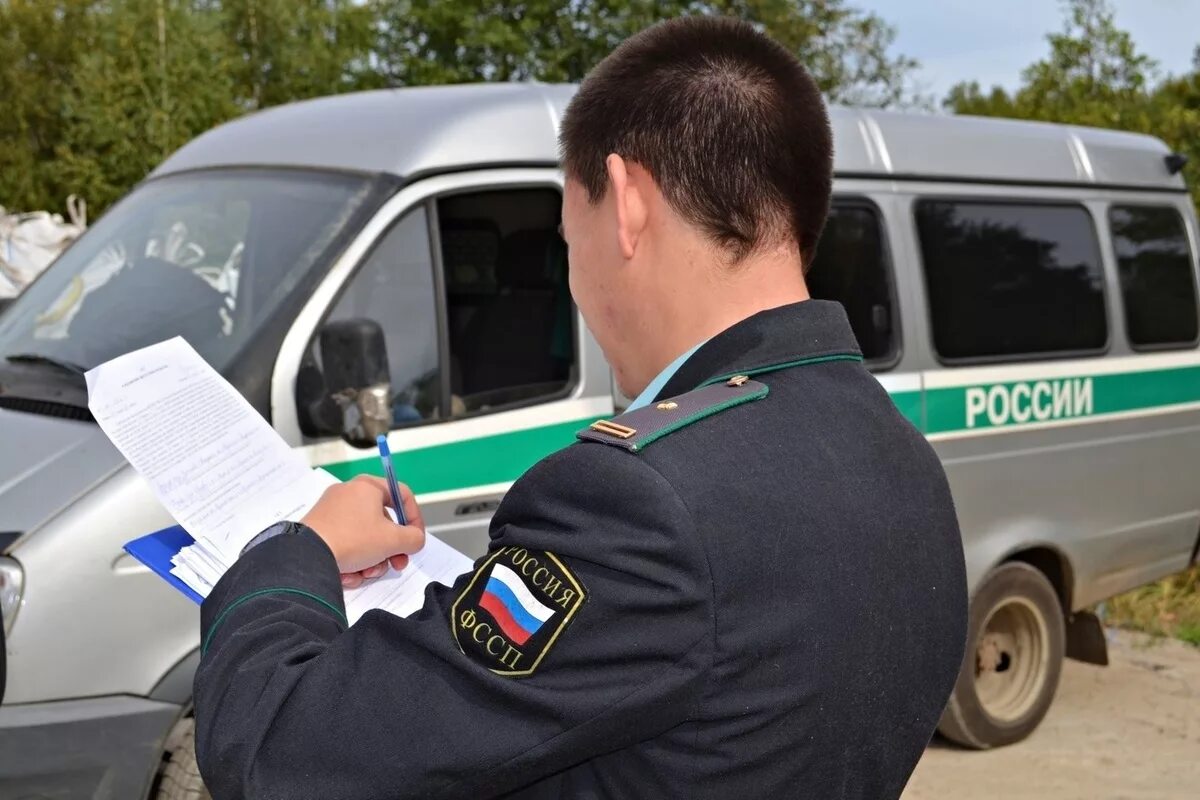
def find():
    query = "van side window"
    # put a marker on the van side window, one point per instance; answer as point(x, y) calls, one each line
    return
point(1010, 280)
point(393, 287)
point(851, 267)
point(508, 306)
point(1157, 275)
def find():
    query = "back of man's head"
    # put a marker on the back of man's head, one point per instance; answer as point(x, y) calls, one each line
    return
point(727, 122)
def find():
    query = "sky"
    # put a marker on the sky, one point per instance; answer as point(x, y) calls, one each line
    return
point(991, 41)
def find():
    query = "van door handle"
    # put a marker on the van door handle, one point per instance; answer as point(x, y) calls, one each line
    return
point(478, 507)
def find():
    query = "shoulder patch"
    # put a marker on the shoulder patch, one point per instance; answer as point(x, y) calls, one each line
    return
point(634, 430)
point(513, 609)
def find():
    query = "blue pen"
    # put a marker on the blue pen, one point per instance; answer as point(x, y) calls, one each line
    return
point(385, 455)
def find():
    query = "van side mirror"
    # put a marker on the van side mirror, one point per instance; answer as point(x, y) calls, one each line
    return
point(354, 363)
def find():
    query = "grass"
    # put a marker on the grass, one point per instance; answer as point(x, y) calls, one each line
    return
point(1170, 607)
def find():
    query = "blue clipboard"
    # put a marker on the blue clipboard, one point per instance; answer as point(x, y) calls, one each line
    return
point(156, 551)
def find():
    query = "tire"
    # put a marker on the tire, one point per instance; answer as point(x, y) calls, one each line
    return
point(1013, 660)
point(180, 778)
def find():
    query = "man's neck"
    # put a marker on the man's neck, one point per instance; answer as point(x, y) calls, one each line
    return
point(719, 296)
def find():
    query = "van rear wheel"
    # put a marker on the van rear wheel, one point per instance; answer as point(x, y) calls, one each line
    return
point(180, 778)
point(1013, 661)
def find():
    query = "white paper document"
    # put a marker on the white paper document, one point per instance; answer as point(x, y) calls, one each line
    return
point(224, 473)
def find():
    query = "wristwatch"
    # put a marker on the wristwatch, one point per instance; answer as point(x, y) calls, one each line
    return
point(277, 529)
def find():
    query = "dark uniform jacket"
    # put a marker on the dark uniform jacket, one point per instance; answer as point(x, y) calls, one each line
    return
point(759, 593)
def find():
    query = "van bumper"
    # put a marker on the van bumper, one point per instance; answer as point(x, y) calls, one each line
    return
point(103, 748)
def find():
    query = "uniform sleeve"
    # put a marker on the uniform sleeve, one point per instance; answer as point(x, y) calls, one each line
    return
point(586, 628)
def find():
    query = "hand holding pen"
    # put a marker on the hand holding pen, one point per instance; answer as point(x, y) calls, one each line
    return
point(351, 519)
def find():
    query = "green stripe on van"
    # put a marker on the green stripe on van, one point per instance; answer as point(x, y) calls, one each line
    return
point(909, 404)
point(997, 405)
point(501, 458)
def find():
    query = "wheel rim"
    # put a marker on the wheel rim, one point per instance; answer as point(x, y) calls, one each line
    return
point(1011, 659)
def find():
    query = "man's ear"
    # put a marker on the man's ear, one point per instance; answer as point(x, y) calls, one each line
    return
point(630, 204)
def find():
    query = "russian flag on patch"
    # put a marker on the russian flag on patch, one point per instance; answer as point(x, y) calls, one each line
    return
point(518, 613)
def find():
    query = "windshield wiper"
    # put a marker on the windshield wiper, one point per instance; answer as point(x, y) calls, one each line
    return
point(38, 358)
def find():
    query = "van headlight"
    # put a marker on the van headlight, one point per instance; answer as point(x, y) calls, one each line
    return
point(12, 584)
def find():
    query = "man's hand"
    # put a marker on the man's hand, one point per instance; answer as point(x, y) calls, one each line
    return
point(351, 520)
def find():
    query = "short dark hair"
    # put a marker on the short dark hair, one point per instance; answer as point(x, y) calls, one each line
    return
point(728, 122)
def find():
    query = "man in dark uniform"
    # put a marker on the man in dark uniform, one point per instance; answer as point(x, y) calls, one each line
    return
point(749, 585)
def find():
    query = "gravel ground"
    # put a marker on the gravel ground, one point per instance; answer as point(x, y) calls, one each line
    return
point(1128, 731)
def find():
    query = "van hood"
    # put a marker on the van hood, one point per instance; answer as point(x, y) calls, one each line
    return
point(47, 463)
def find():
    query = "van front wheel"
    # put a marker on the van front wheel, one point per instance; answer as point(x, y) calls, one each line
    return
point(180, 777)
point(1013, 661)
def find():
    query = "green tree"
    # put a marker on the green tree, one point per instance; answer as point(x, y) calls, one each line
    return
point(156, 76)
point(969, 98)
point(97, 92)
point(1175, 116)
point(285, 50)
point(430, 41)
point(1095, 75)
point(40, 45)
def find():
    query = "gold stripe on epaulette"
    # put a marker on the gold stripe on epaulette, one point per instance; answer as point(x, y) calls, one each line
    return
point(613, 428)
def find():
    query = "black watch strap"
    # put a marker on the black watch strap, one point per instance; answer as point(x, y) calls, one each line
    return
point(278, 529)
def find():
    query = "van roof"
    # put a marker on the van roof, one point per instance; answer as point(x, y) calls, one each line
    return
point(417, 131)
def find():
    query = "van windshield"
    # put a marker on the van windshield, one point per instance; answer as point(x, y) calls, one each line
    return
point(208, 256)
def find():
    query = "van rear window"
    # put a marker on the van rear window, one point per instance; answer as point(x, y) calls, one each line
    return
point(1011, 280)
point(1158, 284)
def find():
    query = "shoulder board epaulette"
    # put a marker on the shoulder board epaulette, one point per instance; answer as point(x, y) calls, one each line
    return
point(635, 429)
